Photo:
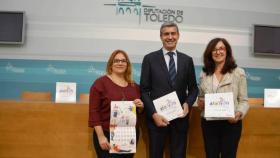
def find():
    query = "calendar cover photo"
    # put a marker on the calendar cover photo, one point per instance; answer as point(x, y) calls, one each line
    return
point(219, 106)
point(169, 106)
point(122, 127)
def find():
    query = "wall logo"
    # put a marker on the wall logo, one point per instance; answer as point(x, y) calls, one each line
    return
point(147, 13)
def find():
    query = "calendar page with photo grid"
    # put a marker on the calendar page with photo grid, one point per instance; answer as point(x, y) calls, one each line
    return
point(122, 127)
point(123, 140)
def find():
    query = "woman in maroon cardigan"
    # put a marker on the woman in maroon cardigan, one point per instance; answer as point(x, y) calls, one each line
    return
point(116, 85)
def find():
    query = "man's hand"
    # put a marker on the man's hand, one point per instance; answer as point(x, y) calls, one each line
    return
point(185, 110)
point(200, 103)
point(159, 120)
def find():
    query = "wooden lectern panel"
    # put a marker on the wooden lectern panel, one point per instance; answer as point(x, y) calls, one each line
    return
point(36, 96)
point(255, 101)
point(84, 98)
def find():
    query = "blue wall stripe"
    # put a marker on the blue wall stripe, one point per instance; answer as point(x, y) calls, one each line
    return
point(17, 75)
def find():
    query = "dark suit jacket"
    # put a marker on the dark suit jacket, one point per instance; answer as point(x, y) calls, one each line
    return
point(155, 81)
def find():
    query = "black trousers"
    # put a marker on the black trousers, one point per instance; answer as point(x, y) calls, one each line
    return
point(176, 132)
point(105, 153)
point(221, 138)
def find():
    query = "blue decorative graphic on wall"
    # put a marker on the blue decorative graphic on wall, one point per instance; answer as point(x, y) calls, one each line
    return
point(41, 75)
point(129, 7)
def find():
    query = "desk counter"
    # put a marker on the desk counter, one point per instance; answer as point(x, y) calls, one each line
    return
point(51, 130)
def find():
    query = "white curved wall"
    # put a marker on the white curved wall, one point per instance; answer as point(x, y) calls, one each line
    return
point(90, 30)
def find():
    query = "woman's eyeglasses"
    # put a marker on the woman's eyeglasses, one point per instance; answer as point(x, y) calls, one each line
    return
point(220, 50)
point(116, 61)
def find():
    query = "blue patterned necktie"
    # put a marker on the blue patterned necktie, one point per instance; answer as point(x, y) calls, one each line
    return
point(172, 69)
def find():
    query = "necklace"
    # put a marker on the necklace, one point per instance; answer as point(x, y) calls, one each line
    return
point(121, 84)
point(118, 81)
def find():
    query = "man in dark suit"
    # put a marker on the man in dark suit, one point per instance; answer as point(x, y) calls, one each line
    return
point(157, 80)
